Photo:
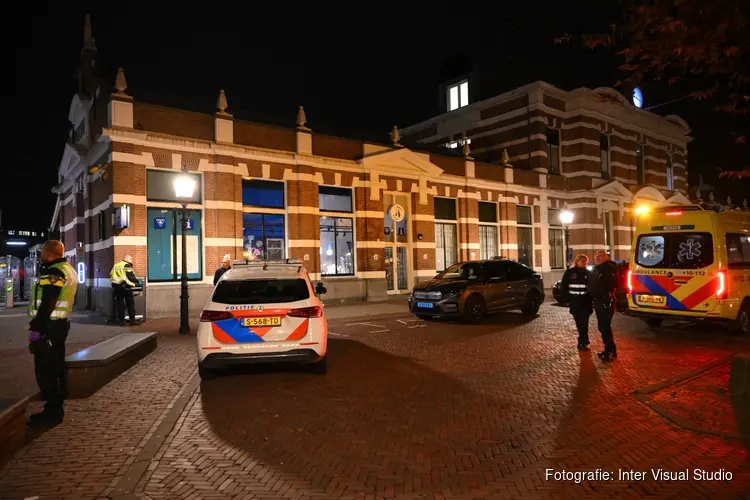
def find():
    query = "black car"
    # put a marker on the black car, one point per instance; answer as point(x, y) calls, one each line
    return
point(472, 289)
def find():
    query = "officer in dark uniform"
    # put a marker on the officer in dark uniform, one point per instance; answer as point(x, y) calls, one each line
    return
point(574, 289)
point(50, 307)
point(602, 285)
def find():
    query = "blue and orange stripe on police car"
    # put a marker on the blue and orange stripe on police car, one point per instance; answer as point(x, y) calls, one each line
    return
point(232, 331)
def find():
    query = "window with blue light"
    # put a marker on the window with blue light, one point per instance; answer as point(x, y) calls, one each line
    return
point(266, 194)
point(263, 236)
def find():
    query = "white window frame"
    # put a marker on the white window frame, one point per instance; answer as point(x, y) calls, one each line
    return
point(670, 173)
point(559, 155)
point(524, 225)
point(609, 233)
point(454, 223)
point(462, 95)
point(609, 158)
point(496, 225)
point(642, 174)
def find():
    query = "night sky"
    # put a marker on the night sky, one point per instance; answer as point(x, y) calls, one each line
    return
point(356, 76)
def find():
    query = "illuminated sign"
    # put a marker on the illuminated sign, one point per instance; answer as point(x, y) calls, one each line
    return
point(81, 272)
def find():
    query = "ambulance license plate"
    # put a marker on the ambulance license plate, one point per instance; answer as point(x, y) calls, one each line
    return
point(262, 321)
point(651, 300)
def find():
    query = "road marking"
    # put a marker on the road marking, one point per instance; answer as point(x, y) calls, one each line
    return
point(365, 324)
point(331, 334)
point(417, 326)
point(12, 315)
point(401, 321)
point(380, 331)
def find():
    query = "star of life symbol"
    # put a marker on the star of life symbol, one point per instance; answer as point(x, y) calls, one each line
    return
point(652, 250)
point(690, 249)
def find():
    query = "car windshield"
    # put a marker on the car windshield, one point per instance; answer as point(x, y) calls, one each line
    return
point(261, 291)
point(675, 250)
point(468, 271)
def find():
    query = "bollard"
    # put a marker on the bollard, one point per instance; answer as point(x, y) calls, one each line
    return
point(9, 293)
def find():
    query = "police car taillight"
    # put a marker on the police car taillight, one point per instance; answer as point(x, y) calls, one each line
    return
point(721, 288)
point(209, 316)
point(306, 312)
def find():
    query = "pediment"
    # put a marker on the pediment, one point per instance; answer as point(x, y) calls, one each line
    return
point(651, 194)
point(78, 110)
point(614, 189)
point(402, 161)
point(679, 199)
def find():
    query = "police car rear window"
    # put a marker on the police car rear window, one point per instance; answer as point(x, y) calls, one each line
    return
point(675, 250)
point(261, 291)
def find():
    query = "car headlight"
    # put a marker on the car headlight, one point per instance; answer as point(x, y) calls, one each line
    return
point(434, 295)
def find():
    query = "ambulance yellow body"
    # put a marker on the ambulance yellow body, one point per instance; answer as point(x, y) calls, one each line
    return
point(691, 262)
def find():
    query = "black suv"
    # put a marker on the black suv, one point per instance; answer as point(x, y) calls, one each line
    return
point(473, 289)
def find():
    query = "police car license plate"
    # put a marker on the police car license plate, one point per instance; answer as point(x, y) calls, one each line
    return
point(425, 305)
point(262, 321)
point(650, 300)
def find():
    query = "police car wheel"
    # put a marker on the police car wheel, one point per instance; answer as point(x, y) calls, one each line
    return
point(320, 367)
point(743, 319)
point(206, 373)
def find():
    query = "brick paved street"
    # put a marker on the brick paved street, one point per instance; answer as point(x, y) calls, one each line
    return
point(408, 409)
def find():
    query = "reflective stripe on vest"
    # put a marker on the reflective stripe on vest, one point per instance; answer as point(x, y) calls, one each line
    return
point(66, 297)
point(119, 274)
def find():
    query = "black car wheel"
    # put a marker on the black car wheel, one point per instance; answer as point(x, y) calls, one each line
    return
point(474, 309)
point(531, 306)
point(655, 322)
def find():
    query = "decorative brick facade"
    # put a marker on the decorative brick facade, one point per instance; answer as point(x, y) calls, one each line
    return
point(506, 165)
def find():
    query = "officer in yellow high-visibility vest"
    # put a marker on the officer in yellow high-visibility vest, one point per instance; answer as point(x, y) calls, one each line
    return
point(123, 281)
point(50, 306)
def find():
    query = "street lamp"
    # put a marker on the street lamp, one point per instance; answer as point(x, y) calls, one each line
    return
point(566, 218)
point(184, 187)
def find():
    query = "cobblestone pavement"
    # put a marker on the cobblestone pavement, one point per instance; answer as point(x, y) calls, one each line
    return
point(407, 409)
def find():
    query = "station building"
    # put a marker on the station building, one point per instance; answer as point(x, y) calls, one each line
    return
point(487, 178)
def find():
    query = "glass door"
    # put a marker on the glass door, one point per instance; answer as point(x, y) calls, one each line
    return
point(397, 239)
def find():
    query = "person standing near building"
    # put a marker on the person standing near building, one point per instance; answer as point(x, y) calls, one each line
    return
point(226, 265)
point(50, 306)
point(123, 281)
point(602, 285)
point(574, 289)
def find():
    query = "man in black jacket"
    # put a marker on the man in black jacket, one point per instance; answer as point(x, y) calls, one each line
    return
point(574, 289)
point(226, 265)
point(602, 285)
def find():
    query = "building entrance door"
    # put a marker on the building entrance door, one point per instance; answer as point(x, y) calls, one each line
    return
point(397, 242)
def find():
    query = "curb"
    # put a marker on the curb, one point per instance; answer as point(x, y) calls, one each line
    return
point(645, 391)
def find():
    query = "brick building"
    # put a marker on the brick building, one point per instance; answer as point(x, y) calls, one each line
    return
point(486, 178)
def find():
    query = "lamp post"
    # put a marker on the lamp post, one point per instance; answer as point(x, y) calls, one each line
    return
point(566, 218)
point(184, 186)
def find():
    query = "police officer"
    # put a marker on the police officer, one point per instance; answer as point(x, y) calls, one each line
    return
point(50, 306)
point(574, 289)
point(123, 281)
point(602, 285)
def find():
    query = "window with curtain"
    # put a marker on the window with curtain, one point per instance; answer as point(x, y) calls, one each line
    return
point(487, 242)
point(446, 252)
point(556, 249)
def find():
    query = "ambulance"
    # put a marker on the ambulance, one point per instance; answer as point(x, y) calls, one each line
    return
point(691, 262)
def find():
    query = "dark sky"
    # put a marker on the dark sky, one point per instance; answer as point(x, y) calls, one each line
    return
point(355, 75)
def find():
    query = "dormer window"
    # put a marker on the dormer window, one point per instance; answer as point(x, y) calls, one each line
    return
point(458, 95)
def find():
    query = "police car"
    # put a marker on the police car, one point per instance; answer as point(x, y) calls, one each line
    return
point(263, 312)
